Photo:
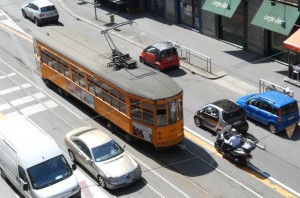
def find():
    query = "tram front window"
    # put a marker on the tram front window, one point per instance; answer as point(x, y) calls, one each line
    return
point(161, 118)
point(172, 112)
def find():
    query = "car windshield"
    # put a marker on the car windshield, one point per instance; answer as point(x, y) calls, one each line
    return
point(234, 116)
point(289, 108)
point(49, 172)
point(48, 8)
point(106, 151)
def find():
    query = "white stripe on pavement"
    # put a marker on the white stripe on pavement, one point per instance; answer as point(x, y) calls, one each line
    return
point(13, 89)
point(27, 99)
point(88, 187)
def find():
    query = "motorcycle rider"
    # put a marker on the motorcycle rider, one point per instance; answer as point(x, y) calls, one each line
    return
point(232, 142)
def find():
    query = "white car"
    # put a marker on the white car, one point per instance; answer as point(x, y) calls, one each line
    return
point(40, 11)
point(102, 157)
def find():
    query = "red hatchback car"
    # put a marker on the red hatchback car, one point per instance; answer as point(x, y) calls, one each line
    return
point(160, 56)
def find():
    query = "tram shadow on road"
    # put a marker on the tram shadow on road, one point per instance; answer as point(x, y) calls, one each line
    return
point(187, 159)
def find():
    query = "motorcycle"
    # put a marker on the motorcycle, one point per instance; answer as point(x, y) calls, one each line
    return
point(240, 154)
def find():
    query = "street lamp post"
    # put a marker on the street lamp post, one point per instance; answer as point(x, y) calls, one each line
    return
point(95, 9)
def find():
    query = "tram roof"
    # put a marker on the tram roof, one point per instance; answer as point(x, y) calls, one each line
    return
point(142, 81)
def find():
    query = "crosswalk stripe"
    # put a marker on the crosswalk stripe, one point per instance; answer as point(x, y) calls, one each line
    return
point(27, 99)
point(9, 75)
point(33, 109)
point(50, 104)
point(13, 89)
point(4, 107)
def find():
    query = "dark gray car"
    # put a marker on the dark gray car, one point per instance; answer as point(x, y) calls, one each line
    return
point(215, 116)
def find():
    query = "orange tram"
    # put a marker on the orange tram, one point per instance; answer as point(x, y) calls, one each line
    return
point(143, 102)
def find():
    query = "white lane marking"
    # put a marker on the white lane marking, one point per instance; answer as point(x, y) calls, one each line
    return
point(13, 89)
point(89, 188)
point(27, 99)
point(160, 176)
point(61, 104)
point(5, 76)
point(218, 170)
point(250, 166)
point(33, 109)
point(50, 104)
point(4, 19)
point(274, 180)
point(12, 114)
point(4, 107)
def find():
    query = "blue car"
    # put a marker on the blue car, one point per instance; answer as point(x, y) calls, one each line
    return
point(272, 108)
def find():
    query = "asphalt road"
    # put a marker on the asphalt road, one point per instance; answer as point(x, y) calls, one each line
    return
point(197, 171)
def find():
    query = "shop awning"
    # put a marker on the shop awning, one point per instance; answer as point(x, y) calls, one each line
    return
point(293, 42)
point(221, 7)
point(278, 18)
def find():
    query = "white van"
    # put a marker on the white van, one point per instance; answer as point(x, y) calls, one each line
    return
point(32, 161)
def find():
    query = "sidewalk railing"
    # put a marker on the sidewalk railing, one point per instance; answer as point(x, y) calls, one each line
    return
point(192, 57)
point(267, 86)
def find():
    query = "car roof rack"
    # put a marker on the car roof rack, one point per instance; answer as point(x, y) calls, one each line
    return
point(267, 99)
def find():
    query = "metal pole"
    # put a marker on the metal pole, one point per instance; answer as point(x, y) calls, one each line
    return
point(95, 9)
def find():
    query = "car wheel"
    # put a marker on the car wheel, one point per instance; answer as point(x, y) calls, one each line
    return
point(24, 14)
point(36, 21)
point(101, 181)
point(272, 128)
point(142, 60)
point(197, 121)
point(3, 174)
point(156, 67)
point(72, 156)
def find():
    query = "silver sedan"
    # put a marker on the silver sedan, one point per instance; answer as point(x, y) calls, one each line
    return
point(102, 157)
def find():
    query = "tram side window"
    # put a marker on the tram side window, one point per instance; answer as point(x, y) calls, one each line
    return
point(53, 62)
point(161, 118)
point(121, 100)
point(172, 112)
point(122, 106)
point(74, 75)
point(91, 86)
point(105, 91)
point(180, 109)
point(44, 57)
point(98, 88)
point(113, 97)
point(60, 66)
point(81, 78)
point(135, 109)
point(66, 68)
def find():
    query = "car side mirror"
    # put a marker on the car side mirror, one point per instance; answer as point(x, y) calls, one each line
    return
point(74, 167)
point(25, 185)
point(88, 160)
point(123, 146)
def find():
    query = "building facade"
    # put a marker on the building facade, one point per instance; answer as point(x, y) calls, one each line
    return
point(259, 26)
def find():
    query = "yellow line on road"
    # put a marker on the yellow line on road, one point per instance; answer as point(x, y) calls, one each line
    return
point(25, 37)
point(2, 117)
point(282, 191)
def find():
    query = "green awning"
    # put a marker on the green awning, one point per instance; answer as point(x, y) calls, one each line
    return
point(221, 7)
point(278, 18)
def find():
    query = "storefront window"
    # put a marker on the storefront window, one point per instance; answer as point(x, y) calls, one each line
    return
point(233, 28)
point(277, 49)
point(186, 12)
